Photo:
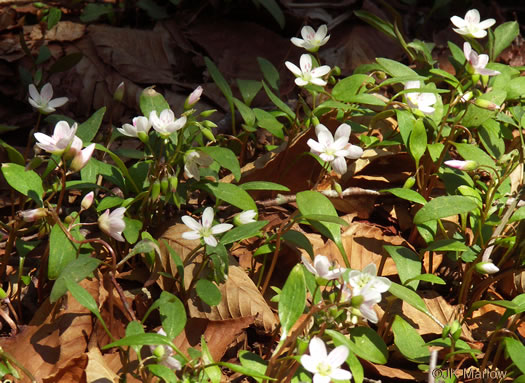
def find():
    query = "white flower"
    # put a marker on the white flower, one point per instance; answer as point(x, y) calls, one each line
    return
point(42, 101)
point(87, 201)
point(478, 62)
point(325, 367)
point(204, 229)
point(306, 74)
point(193, 160)
point(140, 124)
point(164, 354)
point(471, 25)
point(245, 217)
point(322, 267)
point(311, 40)
point(33, 214)
point(421, 101)
point(362, 301)
point(462, 165)
point(334, 150)
point(165, 124)
point(359, 279)
point(62, 138)
point(194, 97)
point(487, 267)
point(82, 158)
point(113, 224)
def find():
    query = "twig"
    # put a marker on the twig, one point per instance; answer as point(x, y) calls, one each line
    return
point(349, 192)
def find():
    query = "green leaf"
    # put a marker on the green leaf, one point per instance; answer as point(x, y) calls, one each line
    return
point(325, 218)
point(242, 232)
point(66, 62)
point(253, 362)
point(245, 371)
point(248, 89)
point(418, 141)
point(208, 292)
point(109, 203)
point(447, 245)
point(407, 194)
point(273, 8)
point(292, 298)
point(516, 352)
point(474, 153)
point(53, 17)
point(76, 271)
point(504, 35)
point(246, 112)
point(406, 122)
point(93, 12)
point(226, 158)
point(220, 260)
point(163, 372)
point(140, 340)
point(278, 102)
point(350, 86)
point(518, 215)
point(444, 206)
point(364, 342)
point(213, 372)
point(219, 80)
point(365, 98)
point(267, 121)
point(230, 193)
point(475, 115)
point(271, 75)
point(121, 166)
point(44, 54)
point(27, 182)
point(14, 155)
point(409, 342)
point(132, 230)
point(407, 262)
point(395, 68)
point(172, 314)
point(355, 367)
point(151, 100)
point(409, 296)
point(263, 185)
point(428, 278)
point(312, 202)
point(299, 239)
point(378, 23)
point(491, 138)
point(61, 251)
point(88, 129)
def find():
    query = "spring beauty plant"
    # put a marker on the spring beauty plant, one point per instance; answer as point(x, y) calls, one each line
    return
point(94, 198)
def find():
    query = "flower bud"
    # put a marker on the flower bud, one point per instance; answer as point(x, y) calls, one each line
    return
point(338, 189)
point(486, 268)
point(174, 182)
point(193, 98)
point(336, 71)
point(164, 185)
point(208, 134)
point(87, 201)
point(33, 214)
point(82, 158)
point(159, 352)
point(118, 95)
point(485, 80)
point(486, 104)
point(245, 217)
point(410, 181)
point(467, 96)
point(462, 165)
point(357, 301)
point(155, 190)
point(208, 113)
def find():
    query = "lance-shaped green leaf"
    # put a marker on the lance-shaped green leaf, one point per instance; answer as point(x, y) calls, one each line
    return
point(292, 299)
point(516, 351)
point(226, 158)
point(350, 86)
point(418, 141)
point(89, 128)
point(364, 342)
point(444, 206)
point(504, 35)
point(278, 102)
point(407, 194)
point(271, 75)
point(242, 232)
point(76, 271)
point(409, 342)
point(27, 182)
point(208, 292)
point(314, 203)
point(407, 262)
point(230, 193)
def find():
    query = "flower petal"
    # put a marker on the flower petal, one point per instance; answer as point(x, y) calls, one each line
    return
point(305, 63)
point(309, 363)
point(485, 24)
point(191, 235)
point(307, 32)
point(315, 146)
point(46, 93)
point(320, 71)
point(293, 68)
point(317, 349)
point(340, 374)
point(221, 228)
point(210, 240)
point(33, 93)
point(207, 217)
point(339, 165)
point(191, 223)
point(337, 356)
point(458, 21)
point(58, 102)
point(297, 42)
point(343, 130)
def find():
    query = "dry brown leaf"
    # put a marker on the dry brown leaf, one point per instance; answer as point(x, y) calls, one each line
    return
point(55, 336)
point(63, 31)
point(363, 244)
point(72, 372)
point(424, 325)
point(484, 321)
point(240, 296)
point(395, 373)
point(97, 369)
point(219, 335)
point(113, 362)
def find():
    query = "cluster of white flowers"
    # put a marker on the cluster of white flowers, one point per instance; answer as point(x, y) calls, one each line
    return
point(362, 288)
point(164, 123)
point(65, 143)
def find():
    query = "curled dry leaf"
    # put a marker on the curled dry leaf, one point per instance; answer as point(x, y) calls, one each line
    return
point(71, 372)
point(97, 369)
point(240, 296)
point(393, 373)
point(54, 337)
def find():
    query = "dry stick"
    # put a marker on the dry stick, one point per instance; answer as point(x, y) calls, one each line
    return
point(349, 192)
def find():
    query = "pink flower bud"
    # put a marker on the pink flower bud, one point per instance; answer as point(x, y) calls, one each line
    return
point(194, 97)
point(486, 104)
point(81, 158)
point(462, 165)
point(119, 92)
point(33, 214)
point(87, 201)
point(486, 268)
